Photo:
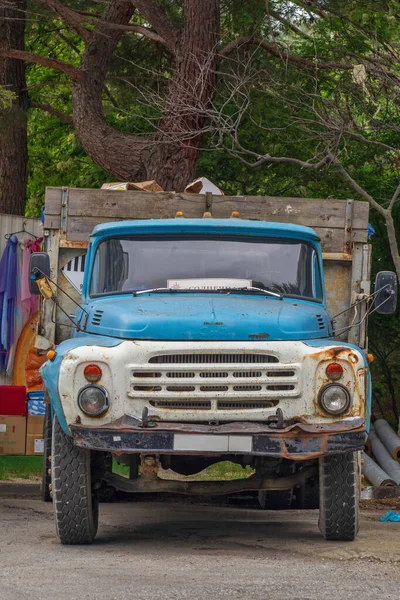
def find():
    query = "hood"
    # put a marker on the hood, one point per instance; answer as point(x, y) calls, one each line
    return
point(207, 317)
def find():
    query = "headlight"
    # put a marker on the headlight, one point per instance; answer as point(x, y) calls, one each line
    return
point(334, 399)
point(93, 400)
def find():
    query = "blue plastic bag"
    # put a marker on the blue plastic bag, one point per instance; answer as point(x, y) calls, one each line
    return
point(391, 516)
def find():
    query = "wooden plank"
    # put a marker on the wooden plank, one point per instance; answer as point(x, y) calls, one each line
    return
point(141, 205)
point(79, 230)
point(337, 256)
point(89, 207)
point(337, 276)
point(51, 246)
point(52, 210)
point(69, 244)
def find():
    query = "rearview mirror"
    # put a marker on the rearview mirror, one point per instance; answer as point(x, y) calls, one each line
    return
point(385, 292)
point(39, 266)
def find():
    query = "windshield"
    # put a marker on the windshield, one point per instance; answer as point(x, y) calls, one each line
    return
point(131, 264)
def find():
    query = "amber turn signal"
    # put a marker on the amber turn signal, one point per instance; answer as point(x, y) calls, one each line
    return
point(235, 214)
point(370, 357)
point(92, 373)
point(179, 214)
point(51, 355)
point(334, 371)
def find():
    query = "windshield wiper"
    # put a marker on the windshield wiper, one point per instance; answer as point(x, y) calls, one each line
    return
point(256, 289)
point(221, 291)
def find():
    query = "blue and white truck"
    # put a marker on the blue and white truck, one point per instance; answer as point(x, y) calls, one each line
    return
point(205, 329)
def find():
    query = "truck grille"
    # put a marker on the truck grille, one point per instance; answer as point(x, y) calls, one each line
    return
point(186, 359)
point(214, 381)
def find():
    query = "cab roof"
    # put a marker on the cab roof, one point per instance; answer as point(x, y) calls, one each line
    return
point(205, 226)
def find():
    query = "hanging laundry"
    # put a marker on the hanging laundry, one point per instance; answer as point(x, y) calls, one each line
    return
point(26, 303)
point(28, 300)
point(8, 291)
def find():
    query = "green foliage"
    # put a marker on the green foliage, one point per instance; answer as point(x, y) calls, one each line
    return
point(7, 97)
point(272, 105)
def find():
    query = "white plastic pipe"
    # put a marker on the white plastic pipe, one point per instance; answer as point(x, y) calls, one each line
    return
point(374, 473)
point(389, 438)
point(383, 458)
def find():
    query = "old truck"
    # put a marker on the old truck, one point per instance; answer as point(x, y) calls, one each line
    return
point(182, 330)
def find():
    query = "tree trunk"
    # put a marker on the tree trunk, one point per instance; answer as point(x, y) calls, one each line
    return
point(13, 123)
point(172, 160)
point(170, 155)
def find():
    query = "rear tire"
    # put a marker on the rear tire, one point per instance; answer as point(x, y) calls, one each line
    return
point(275, 500)
point(75, 505)
point(46, 477)
point(307, 496)
point(339, 483)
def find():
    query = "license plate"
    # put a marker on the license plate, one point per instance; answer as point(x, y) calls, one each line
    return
point(212, 443)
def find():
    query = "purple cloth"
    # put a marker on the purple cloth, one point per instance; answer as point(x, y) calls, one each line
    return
point(8, 293)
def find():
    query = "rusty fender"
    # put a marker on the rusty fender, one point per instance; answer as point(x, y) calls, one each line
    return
point(297, 442)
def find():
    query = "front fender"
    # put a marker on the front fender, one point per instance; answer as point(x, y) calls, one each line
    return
point(50, 370)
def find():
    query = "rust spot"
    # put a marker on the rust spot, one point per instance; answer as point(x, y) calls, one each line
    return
point(259, 336)
point(78, 420)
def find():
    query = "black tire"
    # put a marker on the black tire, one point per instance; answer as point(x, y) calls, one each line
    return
point(275, 500)
point(75, 505)
point(46, 477)
point(339, 483)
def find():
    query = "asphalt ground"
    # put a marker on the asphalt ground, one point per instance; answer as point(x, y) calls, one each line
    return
point(180, 550)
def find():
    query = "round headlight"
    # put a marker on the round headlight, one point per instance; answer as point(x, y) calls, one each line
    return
point(334, 399)
point(93, 400)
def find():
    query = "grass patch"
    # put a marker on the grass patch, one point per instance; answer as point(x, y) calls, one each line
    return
point(120, 469)
point(223, 471)
point(20, 467)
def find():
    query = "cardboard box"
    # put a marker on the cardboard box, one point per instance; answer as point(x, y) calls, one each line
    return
point(34, 436)
point(142, 186)
point(34, 444)
point(12, 434)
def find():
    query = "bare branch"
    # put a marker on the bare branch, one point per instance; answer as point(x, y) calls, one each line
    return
point(74, 18)
point(37, 86)
point(69, 16)
point(52, 63)
point(145, 31)
point(356, 186)
point(394, 198)
point(277, 160)
point(278, 17)
point(155, 15)
point(52, 111)
point(282, 54)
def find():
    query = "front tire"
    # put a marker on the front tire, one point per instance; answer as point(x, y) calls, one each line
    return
point(46, 477)
point(339, 483)
point(75, 505)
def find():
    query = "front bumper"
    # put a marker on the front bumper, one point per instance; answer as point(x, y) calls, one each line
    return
point(296, 442)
